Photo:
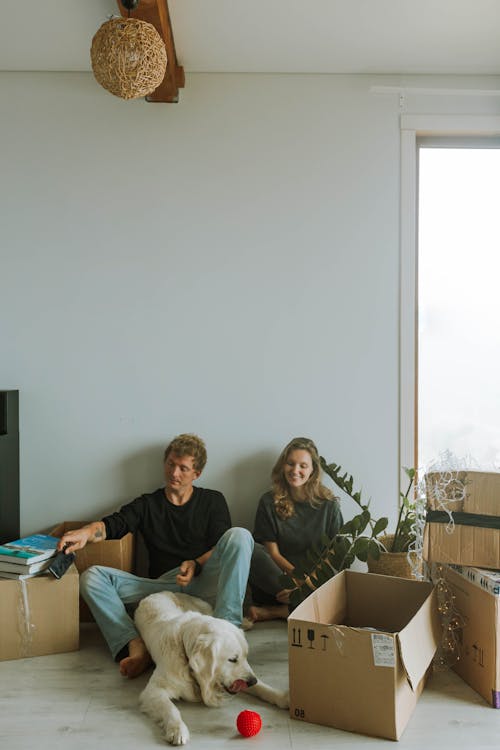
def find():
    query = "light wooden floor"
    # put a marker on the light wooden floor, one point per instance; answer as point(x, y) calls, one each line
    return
point(79, 700)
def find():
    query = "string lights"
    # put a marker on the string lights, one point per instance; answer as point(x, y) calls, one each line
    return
point(452, 622)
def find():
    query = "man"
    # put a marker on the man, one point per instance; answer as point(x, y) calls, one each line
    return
point(192, 548)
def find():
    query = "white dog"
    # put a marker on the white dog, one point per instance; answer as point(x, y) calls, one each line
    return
point(197, 657)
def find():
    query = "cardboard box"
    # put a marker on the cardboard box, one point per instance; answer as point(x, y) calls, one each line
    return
point(113, 553)
point(39, 616)
point(479, 662)
point(359, 650)
point(482, 492)
point(469, 540)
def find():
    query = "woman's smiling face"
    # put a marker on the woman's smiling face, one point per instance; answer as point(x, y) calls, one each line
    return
point(298, 468)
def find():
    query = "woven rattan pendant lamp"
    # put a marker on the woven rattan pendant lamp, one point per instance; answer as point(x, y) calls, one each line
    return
point(128, 56)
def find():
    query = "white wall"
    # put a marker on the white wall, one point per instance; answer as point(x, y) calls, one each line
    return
point(227, 265)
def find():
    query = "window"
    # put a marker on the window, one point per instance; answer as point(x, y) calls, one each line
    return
point(469, 128)
point(459, 300)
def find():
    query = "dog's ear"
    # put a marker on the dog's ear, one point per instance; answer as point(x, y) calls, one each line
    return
point(190, 638)
point(201, 652)
point(203, 663)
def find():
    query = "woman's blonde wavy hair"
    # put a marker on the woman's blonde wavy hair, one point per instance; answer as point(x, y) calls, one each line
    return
point(315, 492)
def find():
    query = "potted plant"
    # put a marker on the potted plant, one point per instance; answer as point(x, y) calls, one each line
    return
point(397, 557)
point(360, 538)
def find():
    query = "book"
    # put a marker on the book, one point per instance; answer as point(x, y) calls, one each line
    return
point(489, 580)
point(20, 576)
point(22, 568)
point(30, 549)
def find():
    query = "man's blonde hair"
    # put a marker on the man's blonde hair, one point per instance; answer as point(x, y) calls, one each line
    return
point(188, 445)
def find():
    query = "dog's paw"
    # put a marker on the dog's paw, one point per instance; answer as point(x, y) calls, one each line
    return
point(177, 733)
point(282, 699)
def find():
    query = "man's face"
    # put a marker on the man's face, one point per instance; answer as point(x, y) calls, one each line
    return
point(179, 471)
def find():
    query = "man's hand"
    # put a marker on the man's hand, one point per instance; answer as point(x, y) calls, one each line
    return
point(186, 575)
point(74, 540)
point(283, 596)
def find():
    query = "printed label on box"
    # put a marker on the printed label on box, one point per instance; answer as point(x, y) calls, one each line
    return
point(383, 650)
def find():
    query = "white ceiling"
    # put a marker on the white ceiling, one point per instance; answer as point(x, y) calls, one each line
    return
point(286, 36)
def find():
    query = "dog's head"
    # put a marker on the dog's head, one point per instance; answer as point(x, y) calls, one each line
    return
point(218, 660)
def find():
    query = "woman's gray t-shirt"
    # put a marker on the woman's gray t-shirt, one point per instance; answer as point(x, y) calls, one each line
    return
point(295, 535)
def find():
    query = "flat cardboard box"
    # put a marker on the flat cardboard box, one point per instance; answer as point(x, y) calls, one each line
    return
point(482, 492)
point(39, 616)
point(479, 639)
point(458, 544)
point(463, 545)
point(359, 650)
point(113, 553)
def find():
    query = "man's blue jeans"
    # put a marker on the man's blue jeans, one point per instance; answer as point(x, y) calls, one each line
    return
point(222, 583)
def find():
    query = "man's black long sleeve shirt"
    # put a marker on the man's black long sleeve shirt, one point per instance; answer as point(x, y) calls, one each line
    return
point(172, 533)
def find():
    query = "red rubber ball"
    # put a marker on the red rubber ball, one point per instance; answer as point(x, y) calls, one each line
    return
point(249, 723)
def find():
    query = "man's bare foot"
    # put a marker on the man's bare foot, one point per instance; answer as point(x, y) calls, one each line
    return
point(275, 612)
point(137, 661)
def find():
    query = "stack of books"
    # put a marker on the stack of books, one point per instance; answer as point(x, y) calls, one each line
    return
point(27, 557)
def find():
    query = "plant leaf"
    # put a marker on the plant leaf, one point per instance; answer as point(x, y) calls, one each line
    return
point(380, 525)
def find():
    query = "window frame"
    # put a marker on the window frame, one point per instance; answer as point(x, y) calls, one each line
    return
point(455, 131)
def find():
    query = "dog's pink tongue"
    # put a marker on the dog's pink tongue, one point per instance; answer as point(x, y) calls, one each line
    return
point(238, 685)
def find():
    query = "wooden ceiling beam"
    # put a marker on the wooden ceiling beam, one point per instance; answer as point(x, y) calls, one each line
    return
point(156, 13)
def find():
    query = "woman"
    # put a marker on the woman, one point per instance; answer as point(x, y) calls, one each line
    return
point(290, 518)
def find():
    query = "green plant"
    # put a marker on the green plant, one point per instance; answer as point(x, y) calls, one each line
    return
point(404, 534)
point(356, 539)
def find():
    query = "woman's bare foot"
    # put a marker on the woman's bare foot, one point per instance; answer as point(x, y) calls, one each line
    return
point(137, 661)
point(275, 612)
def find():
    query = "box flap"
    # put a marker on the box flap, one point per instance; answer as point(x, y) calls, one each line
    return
point(326, 605)
point(419, 640)
point(371, 600)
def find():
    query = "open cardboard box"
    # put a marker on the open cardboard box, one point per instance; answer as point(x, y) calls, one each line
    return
point(359, 650)
point(113, 553)
point(468, 540)
point(479, 639)
point(39, 615)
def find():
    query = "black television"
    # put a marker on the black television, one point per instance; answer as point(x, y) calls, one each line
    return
point(9, 466)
